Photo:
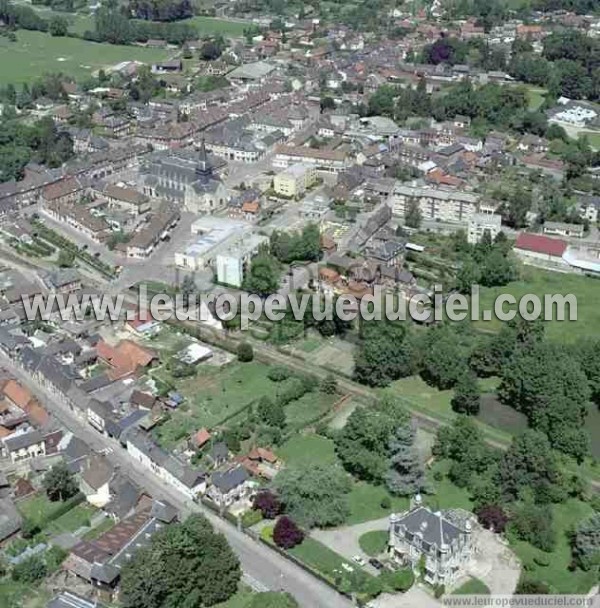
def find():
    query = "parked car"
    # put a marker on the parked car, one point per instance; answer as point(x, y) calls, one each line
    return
point(359, 560)
point(376, 563)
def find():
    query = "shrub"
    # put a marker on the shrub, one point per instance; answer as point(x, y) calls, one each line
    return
point(492, 517)
point(268, 504)
point(373, 543)
point(438, 591)
point(328, 385)
point(245, 352)
point(278, 373)
point(29, 529)
point(531, 587)
point(30, 570)
point(542, 560)
point(386, 502)
point(286, 533)
point(251, 518)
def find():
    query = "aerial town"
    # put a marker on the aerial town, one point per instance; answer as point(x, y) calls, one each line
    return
point(426, 152)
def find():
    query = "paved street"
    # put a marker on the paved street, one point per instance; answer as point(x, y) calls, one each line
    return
point(259, 563)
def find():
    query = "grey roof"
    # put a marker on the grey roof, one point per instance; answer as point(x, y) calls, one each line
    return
point(434, 528)
point(68, 599)
point(105, 573)
point(219, 451)
point(95, 383)
point(75, 454)
point(228, 480)
point(64, 276)
point(163, 511)
point(125, 495)
point(31, 359)
point(10, 520)
point(24, 440)
point(59, 375)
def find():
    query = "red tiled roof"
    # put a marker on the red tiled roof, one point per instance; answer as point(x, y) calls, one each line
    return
point(201, 437)
point(541, 244)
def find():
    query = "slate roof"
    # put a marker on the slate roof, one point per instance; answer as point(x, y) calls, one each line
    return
point(24, 440)
point(68, 599)
point(230, 479)
point(434, 528)
point(10, 520)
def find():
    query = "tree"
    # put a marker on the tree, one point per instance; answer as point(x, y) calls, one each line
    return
point(586, 543)
point(66, 258)
point(185, 564)
point(385, 353)
point(363, 445)
point(271, 413)
point(60, 483)
point(466, 398)
point(534, 524)
point(445, 356)
point(286, 534)
point(267, 503)
point(315, 496)
point(406, 476)
point(328, 385)
point(530, 462)
point(413, 215)
point(263, 276)
point(272, 599)
point(188, 289)
point(492, 517)
point(58, 26)
point(245, 352)
point(30, 570)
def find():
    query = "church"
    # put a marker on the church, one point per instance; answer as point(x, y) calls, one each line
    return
point(185, 177)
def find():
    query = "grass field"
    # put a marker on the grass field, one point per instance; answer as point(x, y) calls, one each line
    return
point(208, 26)
point(536, 97)
point(36, 53)
point(71, 521)
point(308, 450)
point(329, 563)
point(104, 526)
point(557, 573)
point(39, 509)
point(22, 595)
point(542, 282)
point(374, 543)
point(365, 503)
point(593, 137)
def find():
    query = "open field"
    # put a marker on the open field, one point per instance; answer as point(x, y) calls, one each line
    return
point(209, 26)
point(39, 509)
point(542, 282)
point(593, 138)
point(536, 97)
point(557, 573)
point(22, 595)
point(308, 450)
point(36, 53)
point(72, 520)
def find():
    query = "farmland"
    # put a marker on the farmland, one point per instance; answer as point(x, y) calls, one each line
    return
point(36, 53)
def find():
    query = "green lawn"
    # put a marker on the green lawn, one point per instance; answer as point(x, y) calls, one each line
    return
point(36, 53)
point(472, 587)
point(72, 520)
point(374, 543)
point(593, 137)
point(308, 450)
point(39, 509)
point(447, 495)
point(557, 573)
point(308, 408)
point(365, 503)
point(330, 564)
point(541, 282)
point(208, 26)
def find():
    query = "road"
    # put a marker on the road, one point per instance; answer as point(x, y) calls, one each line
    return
point(261, 566)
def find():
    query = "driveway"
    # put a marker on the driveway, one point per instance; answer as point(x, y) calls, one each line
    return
point(345, 540)
point(415, 597)
point(493, 562)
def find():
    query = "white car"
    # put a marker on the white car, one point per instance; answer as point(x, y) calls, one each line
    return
point(359, 560)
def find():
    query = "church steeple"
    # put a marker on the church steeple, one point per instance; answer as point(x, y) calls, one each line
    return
point(204, 168)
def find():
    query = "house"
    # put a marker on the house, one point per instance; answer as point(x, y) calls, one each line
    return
point(68, 599)
point(261, 462)
point(564, 229)
point(143, 327)
point(479, 223)
point(534, 248)
point(95, 479)
point(442, 540)
point(125, 358)
point(295, 180)
point(63, 280)
point(218, 454)
point(24, 445)
point(66, 190)
point(229, 486)
point(200, 439)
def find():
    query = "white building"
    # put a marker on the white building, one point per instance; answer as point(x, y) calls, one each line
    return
point(479, 223)
point(233, 263)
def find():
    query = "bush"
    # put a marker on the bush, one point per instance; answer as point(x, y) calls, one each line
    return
point(527, 586)
point(286, 533)
point(438, 591)
point(542, 560)
point(278, 373)
point(400, 580)
point(251, 518)
point(268, 504)
point(328, 385)
point(492, 517)
point(245, 352)
point(29, 529)
point(30, 570)
point(386, 502)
